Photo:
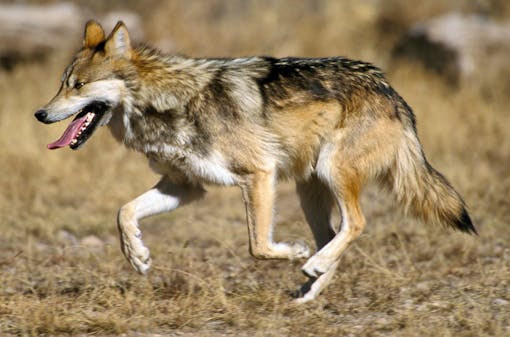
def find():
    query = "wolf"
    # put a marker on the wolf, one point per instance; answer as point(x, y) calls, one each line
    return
point(331, 124)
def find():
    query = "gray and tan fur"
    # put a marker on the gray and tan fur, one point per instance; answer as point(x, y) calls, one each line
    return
point(332, 124)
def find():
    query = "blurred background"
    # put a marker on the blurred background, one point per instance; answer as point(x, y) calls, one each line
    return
point(448, 59)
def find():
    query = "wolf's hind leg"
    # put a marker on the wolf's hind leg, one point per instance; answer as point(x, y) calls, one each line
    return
point(345, 169)
point(164, 197)
point(258, 195)
point(346, 190)
point(322, 266)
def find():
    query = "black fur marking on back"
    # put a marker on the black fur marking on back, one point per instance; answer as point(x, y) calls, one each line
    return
point(318, 90)
point(304, 75)
point(269, 86)
point(291, 75)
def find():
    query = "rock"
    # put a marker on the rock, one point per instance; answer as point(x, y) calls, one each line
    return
point(454, 45)
point(66, 238)
point(30, 33)
point(91, 242)
point(500, 301)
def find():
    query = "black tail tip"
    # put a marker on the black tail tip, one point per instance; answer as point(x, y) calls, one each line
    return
point(464, 223)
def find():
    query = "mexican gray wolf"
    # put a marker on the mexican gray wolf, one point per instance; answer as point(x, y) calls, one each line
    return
point(332, 124)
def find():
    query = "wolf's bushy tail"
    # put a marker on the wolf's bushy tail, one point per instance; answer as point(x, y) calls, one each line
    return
point(422, 190)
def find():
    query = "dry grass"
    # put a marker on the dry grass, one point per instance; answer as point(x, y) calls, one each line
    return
point(401, 278)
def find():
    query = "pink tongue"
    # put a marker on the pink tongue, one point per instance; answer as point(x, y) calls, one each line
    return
point(69, 134)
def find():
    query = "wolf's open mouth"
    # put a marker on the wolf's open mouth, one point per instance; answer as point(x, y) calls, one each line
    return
point(81, 128)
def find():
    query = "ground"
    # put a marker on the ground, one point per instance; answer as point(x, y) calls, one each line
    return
point(62, 271)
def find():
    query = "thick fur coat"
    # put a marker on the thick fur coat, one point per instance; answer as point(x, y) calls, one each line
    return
point(332, 124)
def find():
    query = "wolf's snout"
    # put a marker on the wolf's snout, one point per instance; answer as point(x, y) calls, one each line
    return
point(41, 115)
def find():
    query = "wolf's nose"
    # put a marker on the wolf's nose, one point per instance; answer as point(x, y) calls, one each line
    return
point(41, 115)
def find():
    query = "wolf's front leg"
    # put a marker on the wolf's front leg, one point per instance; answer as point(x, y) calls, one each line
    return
point(164, 197)
point(258, 195)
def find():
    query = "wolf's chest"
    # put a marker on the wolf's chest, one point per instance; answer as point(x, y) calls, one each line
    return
point(169, 148)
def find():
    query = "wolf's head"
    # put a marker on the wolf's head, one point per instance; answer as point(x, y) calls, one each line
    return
point(91, 88)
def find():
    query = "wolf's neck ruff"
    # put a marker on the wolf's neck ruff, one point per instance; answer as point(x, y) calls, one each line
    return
point(178, 102)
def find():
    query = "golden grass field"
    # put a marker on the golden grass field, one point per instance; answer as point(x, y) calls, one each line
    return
point(61, 269)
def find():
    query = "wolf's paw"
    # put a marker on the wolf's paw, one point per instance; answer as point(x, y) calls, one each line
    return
point(305, 293)
point(316, 266)
point(136, 252)
point(141, 261)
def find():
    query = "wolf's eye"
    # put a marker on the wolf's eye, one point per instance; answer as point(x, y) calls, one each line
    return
point(79, 84)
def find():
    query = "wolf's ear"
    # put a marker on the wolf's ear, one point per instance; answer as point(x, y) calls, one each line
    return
point(94, 34)
point(118, 42)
